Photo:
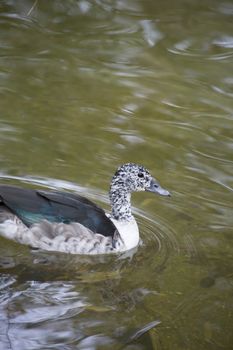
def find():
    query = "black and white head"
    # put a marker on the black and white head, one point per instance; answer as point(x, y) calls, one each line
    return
point(134, 178)
point(130, 177)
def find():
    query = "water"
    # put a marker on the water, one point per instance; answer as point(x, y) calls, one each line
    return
point(86, 86)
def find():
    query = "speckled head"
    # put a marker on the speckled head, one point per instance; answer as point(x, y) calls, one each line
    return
point(131, 177)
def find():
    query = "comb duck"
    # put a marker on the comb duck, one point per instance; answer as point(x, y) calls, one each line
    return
point(67, 222)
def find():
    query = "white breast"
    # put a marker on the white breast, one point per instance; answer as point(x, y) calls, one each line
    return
point(129, 233)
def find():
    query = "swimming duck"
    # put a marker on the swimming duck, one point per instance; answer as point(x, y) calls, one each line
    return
point(67, 222)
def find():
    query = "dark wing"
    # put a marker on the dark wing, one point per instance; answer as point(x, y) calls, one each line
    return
point(32, 206)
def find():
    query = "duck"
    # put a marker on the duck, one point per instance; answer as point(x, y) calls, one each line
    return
point(69, 223)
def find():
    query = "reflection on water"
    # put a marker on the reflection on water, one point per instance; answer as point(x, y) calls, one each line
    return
point(88, 85)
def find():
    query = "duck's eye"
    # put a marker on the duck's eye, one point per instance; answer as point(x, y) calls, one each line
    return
point(140, 175)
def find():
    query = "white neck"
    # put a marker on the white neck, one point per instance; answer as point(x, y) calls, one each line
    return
point(128, 231)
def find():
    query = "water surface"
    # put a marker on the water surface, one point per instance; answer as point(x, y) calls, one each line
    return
point(84, 87)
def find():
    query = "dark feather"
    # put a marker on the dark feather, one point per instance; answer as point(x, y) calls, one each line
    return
point(33, 206)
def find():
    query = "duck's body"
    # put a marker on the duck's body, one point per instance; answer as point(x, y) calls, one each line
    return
point(67, 222)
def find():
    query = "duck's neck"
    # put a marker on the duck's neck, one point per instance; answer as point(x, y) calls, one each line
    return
point(120, 199)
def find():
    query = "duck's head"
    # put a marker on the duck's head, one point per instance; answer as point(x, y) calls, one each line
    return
point(134, 178)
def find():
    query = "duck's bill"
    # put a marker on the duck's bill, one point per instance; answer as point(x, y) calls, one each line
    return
point(156, 188)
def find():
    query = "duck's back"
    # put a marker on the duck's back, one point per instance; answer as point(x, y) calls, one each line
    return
point(33, 206)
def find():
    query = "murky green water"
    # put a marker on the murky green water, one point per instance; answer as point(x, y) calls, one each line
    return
point(88, 85)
